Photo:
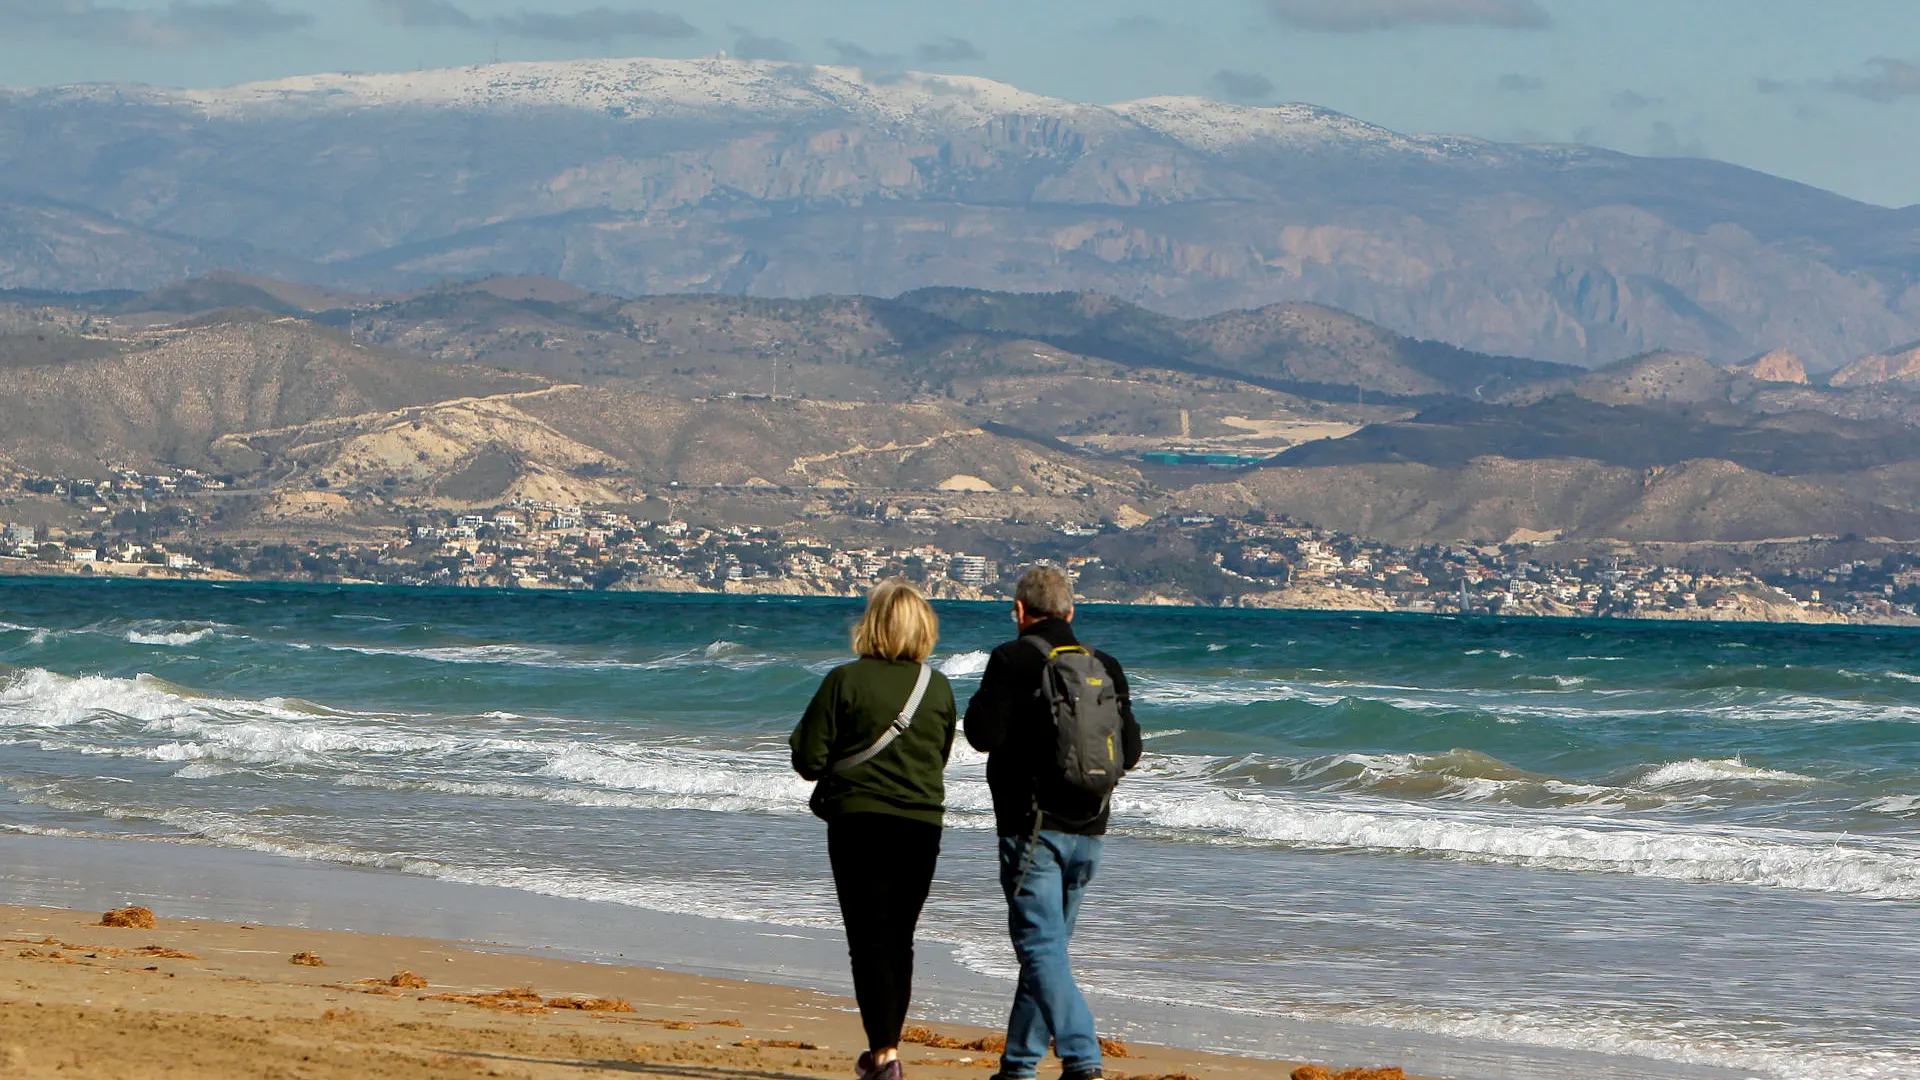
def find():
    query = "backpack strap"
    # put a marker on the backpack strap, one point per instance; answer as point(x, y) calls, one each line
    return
point(894, 730)
point(1048, 650)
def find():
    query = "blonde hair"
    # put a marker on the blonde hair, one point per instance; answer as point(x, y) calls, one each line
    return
point(899, 624)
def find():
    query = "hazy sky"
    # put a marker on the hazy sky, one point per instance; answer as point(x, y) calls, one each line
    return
point(1823, 91)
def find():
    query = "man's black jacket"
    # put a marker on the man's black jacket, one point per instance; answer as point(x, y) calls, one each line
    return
point(1009, 721)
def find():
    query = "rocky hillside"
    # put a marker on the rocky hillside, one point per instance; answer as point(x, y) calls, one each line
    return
point(1498, 498)
point(991, 410)
point(754, 178)
point(162, 396)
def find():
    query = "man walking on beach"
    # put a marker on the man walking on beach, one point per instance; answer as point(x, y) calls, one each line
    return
point(1049, 729)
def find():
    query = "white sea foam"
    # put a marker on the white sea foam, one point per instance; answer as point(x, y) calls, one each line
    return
point(1181, 796)
point(963, 664)
point(1618, 1037)
point(36, 697)
point(1898, 805)
point(467, 654)
point(169, 637)
point(729, 781)
point(677, 772)
point(201, 770)
point(1777, 858)
point(1704, 771)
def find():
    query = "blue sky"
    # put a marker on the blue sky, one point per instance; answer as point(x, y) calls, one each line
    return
point(1823, 91)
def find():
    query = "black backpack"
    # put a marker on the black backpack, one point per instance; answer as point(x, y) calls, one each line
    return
point(1087, 723)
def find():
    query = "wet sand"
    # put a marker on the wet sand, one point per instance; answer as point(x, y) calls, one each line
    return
point(196, 998)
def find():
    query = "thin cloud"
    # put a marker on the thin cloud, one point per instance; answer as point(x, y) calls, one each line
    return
point(1241, 86)
point(1887, 80)
point(751, 46)
point(1634, 101)
point(242, 19)
point(596, 24)
point(948, 50)
point(182, 22)
point(1516, 83)
point(1358, 16)
point(1665, 141)
point(849, 54)
point(425, 13)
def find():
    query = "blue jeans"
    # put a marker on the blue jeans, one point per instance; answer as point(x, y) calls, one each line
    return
point(1042, 907)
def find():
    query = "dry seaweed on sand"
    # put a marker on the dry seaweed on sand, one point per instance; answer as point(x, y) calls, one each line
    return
point(518, 999)
point(591, 1004)
point(404, 980)
point(164, 953)
point(778, 1044)
point(990, 1044)
point(1321, 1072)
point(307, 959)
point(134, 918)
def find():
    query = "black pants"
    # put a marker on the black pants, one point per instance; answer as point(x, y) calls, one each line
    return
point(882, 869)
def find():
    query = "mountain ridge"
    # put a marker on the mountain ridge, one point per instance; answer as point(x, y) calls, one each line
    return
point(652, 177)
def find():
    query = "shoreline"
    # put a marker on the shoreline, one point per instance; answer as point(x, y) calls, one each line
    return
point(249, 997)
point(198, 883)
point(213, 998)
point(1155, 601)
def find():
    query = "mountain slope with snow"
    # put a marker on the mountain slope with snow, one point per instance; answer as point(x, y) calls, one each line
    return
point(644, 176)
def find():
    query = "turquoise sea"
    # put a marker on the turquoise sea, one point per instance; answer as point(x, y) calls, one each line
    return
point(1697, 847)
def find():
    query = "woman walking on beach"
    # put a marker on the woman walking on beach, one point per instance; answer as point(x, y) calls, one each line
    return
point(876, 740)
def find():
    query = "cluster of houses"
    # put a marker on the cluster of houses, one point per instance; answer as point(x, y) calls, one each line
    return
point(530, 544)
point(1512, 579)
point(536, 544)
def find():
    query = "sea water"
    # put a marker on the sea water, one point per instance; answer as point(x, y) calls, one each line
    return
point(1687, 844)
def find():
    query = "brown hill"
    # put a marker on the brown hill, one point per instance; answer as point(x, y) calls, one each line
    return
point(1495, 498)
point(1656, 379)
point(589, 445)
point(164, 396)
point(1778, 366)
point(1901, 365)
point(1296, 345)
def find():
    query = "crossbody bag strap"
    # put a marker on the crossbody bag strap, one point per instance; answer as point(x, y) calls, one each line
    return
point(894, 730)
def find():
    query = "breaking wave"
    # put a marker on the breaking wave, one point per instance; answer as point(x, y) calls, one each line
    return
point(1773, 858)
point(960, 665)
point(1697, 771)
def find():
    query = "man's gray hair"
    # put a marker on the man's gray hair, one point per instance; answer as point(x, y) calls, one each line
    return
point(1045, 591)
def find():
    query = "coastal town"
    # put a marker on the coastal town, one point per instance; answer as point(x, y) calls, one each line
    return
point(165, 526)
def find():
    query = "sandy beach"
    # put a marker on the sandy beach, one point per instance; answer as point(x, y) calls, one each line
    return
point(192, 998)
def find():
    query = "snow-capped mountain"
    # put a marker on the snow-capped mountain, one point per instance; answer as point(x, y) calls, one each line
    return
point(751, 176)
